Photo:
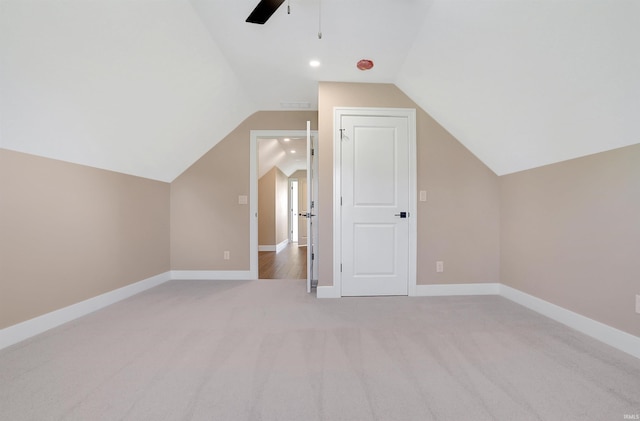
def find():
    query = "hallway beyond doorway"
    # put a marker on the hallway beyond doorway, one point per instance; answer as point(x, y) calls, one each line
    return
point(290, 263)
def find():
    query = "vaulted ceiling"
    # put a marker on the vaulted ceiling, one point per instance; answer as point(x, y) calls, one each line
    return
point(146, 87)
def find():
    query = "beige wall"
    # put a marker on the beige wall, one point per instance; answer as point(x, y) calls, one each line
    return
point(570, 235)
point(459, 224)
point(299, 175)
point(273, 206)
point(205, 216)
point(70, 232)
point(267, 208)
point(567, 233)
point(282, 206)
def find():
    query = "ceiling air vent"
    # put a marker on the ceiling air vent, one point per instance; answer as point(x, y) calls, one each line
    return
point(296, 105)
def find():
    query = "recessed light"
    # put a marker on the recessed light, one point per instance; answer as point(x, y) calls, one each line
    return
point(286, 139)
point(314, 63)
point(292, 151)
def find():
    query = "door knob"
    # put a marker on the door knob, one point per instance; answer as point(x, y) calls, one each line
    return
point(402, 214)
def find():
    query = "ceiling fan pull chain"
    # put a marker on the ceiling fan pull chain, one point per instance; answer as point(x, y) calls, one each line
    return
point(319, 19)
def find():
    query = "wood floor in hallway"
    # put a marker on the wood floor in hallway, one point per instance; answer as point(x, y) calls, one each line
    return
point(290, 263)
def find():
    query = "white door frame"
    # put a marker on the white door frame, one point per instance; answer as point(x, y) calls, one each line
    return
point(338, 113)
point(253, 189)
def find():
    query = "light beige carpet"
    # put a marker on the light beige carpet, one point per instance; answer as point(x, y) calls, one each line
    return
point(265, 350)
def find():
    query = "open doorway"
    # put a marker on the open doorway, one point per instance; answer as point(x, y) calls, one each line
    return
point(282, 247)
point(281, 235)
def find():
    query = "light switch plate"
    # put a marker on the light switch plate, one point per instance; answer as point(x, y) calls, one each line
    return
point(423, 195)
point(243, 199)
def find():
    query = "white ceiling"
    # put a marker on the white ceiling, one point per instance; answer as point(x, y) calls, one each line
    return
point(145, 87)
point(135, 86)
point(525, 83)
point(272, 60)
point(289, 154)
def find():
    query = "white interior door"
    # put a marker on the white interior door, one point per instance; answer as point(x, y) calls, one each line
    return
point(376, 205)
point(311, 205)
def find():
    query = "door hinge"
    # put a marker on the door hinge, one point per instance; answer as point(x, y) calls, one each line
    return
point(340, 200)
point(312, 204)
point(340, 267)
point(313, 256)
point(313, 152)
point(341, 133)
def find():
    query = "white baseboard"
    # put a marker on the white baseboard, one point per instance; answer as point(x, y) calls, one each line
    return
point(324, 291)
point(274, 247)
point(16, 333)
point(429, 290)
point(283, 245)
point(213, 275)
point(600, 331)
point(611, 336)
point(456, 289)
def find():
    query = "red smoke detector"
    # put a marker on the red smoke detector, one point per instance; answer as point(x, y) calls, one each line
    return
point(364, 64)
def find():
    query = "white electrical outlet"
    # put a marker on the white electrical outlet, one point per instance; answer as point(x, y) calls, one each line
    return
point(638, 303)
point(423, 195)
point(439, 266)
point(227, 255)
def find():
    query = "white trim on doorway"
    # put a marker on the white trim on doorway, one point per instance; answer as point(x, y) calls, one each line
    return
point(253, 189)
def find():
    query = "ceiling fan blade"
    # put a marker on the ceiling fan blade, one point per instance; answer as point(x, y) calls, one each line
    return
point(263, 11)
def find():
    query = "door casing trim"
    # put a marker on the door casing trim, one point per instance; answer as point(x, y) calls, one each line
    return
point(253, 189)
